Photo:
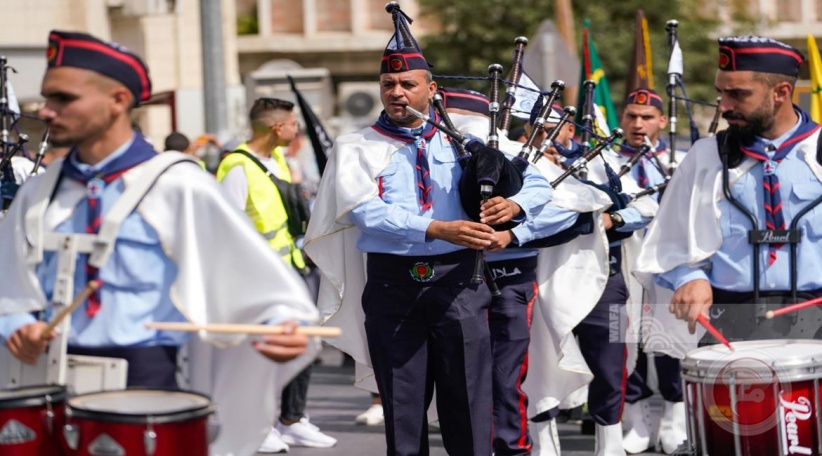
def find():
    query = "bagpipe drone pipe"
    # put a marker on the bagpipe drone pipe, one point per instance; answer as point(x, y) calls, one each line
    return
point(10, 115)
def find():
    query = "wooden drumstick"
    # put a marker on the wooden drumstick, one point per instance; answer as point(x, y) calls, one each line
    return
point(714, 332)
point(793, 308)
point(228, 328)
point(90, 288)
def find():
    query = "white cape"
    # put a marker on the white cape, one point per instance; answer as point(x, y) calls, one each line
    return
point(682, 234)
point(571, 278)
point(331, 239)
point(226, 274)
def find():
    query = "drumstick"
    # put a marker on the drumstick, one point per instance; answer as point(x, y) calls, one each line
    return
point(227, 328)
point(90, 288)
point(714, 332)
point(793, 308)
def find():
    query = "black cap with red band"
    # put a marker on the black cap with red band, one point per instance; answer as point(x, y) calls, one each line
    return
point(402, 52)
point(756, 53)
point(645, 97)
point(80, 50)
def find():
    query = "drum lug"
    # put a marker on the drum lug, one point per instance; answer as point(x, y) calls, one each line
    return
point(150, 439)
point(213, 427)
point(72, 436)
point(49, 415)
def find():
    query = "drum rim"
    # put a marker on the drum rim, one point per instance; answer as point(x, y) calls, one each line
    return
point(697, 370)
point(58, 395)
point(78, 412)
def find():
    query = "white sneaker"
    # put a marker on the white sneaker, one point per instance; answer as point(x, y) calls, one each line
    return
point(273, 443)
point(371, 417)
point(303, 433)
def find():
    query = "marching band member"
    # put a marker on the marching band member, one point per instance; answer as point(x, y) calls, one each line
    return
point(509, 316)
point(642, 120)
point(597, 316)
point(763, 168)
point(156, 221)
point(397, 253)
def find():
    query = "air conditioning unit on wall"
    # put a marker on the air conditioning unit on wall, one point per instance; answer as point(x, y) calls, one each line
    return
point(358, 103)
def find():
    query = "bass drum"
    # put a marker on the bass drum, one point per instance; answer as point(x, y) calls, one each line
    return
point(761, 399)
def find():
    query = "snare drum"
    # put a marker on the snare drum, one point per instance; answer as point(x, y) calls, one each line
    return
point(138, 422)
point(761, 399)
point(30, 420)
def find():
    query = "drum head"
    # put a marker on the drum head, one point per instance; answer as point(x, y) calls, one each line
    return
point(140, 406)
point(31, 396)
point(758, 361)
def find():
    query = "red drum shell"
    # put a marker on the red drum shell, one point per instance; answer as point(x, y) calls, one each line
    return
point(24, 429)
point(763, 398)
point(114, 420)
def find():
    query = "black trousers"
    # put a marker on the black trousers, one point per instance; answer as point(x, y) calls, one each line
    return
point(667, 372)
point(426, 325)
point(148, 367)
point(294, 397)
point(509, 319)
point(603, 346)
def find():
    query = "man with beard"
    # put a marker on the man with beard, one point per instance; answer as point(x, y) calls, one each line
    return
point(765, 167)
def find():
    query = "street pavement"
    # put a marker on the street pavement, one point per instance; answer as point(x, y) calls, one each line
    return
point(333, 403)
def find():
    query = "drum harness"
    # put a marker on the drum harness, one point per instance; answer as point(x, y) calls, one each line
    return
point(731, 157)
point(98, 246)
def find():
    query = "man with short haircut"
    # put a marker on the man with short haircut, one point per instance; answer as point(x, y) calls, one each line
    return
point(152, 231)
point(389, 200)
point(247, 174)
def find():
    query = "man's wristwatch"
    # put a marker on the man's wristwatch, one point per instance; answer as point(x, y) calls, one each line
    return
point(616, 220)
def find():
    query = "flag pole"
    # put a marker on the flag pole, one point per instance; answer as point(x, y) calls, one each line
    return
point(671, 28)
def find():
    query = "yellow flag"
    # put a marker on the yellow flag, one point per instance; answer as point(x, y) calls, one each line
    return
point(815, 64)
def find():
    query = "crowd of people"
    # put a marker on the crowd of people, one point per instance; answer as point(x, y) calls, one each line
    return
point(551, 314)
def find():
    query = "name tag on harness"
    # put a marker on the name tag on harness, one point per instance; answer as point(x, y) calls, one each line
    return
point(774, 236)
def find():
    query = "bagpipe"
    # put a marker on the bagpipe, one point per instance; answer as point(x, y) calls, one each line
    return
point(10, 115)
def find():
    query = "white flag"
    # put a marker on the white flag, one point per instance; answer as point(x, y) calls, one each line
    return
point(525, 99)
point(675, 65)
point(14, 106)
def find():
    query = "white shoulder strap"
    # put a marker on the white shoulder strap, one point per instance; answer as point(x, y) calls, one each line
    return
point(34, 216)
point(149, 172)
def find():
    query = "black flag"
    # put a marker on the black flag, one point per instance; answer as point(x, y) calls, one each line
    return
point(320, 140)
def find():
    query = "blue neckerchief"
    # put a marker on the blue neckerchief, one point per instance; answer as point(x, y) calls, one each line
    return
point(419, 137)
point(774, 220)
point(385, 127)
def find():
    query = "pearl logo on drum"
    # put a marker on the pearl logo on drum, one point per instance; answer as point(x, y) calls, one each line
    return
point(15, 433)
point(792, 413)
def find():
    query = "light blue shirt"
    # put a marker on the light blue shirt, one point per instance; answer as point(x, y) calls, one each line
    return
point(731, 267)
point(392, 222)
point(136, 282)
point(550, 220)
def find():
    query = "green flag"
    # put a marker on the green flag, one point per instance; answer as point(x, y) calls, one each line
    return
point(592, 69)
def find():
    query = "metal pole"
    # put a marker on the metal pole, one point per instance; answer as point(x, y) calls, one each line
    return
point(215, 103)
